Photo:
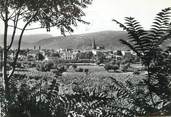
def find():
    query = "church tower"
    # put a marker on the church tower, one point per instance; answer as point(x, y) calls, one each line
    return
point(34, 47)
point(93, 45)
point(39, 47)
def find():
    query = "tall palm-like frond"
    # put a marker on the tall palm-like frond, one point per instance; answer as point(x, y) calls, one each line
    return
point(136, 34)
point(145, 43)
point(147, 46)
point(161, 28)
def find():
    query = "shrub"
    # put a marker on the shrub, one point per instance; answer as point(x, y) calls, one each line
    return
point(79, 70)
point(45, 66)
point(74, 66)
point(86, 71)
point(147, 46)
point(111, 67)
point(136, 72)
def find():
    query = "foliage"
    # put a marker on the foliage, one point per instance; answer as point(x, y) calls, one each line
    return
point(131, 99)
point(74, 66)
point(119, 53)
point(100, 57)
point(128, 58)
point(61, 68)
point(40, 97)
point(30, 58)
point(55, 55)
point(125, 67)
point(39, 57)
point(79, 70)
point(111, 67)
point(85, 55)
point(44, 66)
point(20, 14)
point(147, 45)
point(61, 14)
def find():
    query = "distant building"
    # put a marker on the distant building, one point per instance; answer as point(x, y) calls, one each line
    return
point(69, 55)
point(94, 45)
point(32, 53)
point(50, 58)
point(124, 52)
point(95, 48)
point(39, 47)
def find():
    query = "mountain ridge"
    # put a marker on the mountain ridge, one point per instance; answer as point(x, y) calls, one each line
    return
point(108, 39)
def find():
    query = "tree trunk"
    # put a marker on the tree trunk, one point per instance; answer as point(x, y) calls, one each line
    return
point(5, 52)
point(5, 78)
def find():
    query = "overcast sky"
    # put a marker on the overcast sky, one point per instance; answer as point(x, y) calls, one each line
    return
point(101, 13)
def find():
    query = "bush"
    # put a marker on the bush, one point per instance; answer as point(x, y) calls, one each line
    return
point(79, 70)
point(62, 68)
point(136, 72)
point(56, 72)
point(74, 66)
point(85, 70)
point(111, 67)
point(45, 66)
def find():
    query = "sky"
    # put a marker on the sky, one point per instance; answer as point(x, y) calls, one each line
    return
point(101, 13)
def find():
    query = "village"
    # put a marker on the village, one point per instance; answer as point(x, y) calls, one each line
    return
point(96, 55)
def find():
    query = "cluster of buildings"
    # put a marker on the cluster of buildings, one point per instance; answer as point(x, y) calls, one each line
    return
point(68, 54)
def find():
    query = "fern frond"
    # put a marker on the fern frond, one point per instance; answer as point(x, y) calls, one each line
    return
point(160, 27)
point(130, 46)
point(136, 35)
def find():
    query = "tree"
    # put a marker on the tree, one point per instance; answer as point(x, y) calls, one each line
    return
point(39, 56)
point(55, 55)
point(109, 66)
point(100, 57)
point(85, 55)
point(119, 53)
point(147, 45)
point(63, 14)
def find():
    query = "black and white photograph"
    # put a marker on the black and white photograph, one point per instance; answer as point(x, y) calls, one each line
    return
point(85, 58)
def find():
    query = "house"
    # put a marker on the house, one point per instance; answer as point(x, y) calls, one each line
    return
point(32, 53)
point(69, 55)
point(124, 52)
point(52, 56)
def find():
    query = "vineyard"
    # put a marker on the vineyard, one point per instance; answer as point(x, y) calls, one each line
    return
point(96, 77)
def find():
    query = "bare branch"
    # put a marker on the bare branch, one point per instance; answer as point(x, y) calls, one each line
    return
point(2, 16)
point(19, 12)
point(14, 12)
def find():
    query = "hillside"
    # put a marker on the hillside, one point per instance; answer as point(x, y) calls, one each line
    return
point(109, 39)
point(27, 41)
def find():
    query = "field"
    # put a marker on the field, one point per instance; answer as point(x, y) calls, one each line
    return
point(98, 71)
point(97, 76)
